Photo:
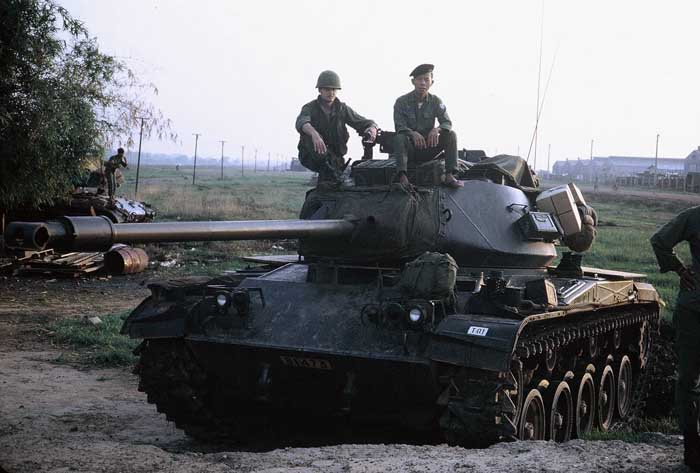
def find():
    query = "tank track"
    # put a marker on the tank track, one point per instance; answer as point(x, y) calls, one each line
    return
point(174, 382)
point(481, 408)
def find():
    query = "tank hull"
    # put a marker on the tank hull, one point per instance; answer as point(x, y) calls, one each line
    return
point(288, 359)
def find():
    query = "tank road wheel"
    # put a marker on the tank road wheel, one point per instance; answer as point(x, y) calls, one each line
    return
point(532, 417)
point(550, 359)
point(617, 339)
point(516, 392)
point(606, 399)
point(561, 414)
point(644, 343)
point(585, 405)
point(593, 347)
point(624, 387)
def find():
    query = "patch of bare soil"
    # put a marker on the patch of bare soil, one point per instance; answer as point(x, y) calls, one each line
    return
point(29, 305)
point(58, 418)
point(54, 418)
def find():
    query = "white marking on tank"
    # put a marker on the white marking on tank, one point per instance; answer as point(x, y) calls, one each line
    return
point(478, 331)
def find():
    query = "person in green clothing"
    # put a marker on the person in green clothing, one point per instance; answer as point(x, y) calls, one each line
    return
point(323, 134)
point(686, 321)
point(417, 139)
point(113, 163)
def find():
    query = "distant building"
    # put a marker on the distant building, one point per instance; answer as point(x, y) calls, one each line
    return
point(692, 161)
point(610, 167)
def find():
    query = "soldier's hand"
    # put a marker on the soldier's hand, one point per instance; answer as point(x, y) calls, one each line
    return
point(688, 281)
point(319, 145)
point(370, 134)
point(433, 137)
point(418, 140)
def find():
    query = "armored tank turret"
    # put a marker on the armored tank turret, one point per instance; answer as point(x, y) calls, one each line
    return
point(430, 308)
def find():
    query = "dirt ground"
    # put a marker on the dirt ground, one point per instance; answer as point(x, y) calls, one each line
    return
point(56, 417)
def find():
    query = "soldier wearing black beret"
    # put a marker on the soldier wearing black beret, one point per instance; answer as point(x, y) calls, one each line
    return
point(417, 139)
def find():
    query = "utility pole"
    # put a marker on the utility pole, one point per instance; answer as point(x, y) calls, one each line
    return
point(255, 162)
point(222, 158)
point(268, 161)
point(196, 141)
point(591, 160)
point(656, 161)
point(549, 152)
point(138, 160)
point(242, 154)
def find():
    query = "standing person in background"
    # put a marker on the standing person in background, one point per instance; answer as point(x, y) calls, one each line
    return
point(111, 166)
point(686, 322)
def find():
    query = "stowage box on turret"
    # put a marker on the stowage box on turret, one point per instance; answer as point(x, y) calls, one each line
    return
point(428, 308)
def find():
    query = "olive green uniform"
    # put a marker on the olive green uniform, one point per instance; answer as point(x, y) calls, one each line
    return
point(332, 128)
point(686, 318)
point(408, 117)
point(114, 162)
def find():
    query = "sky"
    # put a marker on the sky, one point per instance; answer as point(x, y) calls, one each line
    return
point(621, 71)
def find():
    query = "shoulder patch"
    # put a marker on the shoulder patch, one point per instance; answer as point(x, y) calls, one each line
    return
point(442, 107)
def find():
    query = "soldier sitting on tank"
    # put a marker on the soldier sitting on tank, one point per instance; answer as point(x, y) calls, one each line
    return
point(417, 139)
point(323, 133)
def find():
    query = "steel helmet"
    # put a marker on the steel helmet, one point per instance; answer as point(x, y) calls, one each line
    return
point(328, 79)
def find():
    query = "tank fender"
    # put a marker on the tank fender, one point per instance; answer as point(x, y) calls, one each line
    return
point(156, 318)
point(475, 341)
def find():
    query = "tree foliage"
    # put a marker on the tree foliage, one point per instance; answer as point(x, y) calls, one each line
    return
point(62, 102)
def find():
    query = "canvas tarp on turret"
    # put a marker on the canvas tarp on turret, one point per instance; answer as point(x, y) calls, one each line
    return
point(505, 169)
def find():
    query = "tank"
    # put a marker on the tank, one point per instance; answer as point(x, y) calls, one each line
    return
point(431, 310)
point(90, 201)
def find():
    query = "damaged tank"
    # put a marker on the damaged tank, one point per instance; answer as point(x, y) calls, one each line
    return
point(89, 197)
point(429, 308)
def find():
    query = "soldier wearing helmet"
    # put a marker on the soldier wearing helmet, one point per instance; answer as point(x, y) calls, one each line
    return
point(417, 139)
point(323, 132)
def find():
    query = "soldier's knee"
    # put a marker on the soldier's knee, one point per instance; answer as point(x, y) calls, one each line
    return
point(448, 135)
point(402, 143)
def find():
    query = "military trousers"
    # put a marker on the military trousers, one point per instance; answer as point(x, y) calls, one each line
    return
point(329, 165)
point(406, 152)
point(686, 323)
point(111, 183)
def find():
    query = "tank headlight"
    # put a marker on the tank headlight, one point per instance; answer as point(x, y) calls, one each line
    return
point(416, 315)
point(222, 299)
point(241, 301)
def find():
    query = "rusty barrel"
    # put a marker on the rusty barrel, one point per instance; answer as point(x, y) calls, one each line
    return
point(125, 260)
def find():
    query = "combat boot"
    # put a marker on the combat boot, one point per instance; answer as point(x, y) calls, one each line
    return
point(691, 450)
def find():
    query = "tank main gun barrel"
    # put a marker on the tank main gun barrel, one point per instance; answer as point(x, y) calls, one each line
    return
point(99, 233)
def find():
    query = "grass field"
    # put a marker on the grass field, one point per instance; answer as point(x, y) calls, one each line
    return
point(255, 196)
point(625, 226)
point(99, 345)
point(626, 223)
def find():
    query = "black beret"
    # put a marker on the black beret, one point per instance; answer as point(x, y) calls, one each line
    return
point(422, 69)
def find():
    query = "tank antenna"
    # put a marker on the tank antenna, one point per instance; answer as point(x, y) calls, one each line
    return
point(544, 96)
point(539, 81)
